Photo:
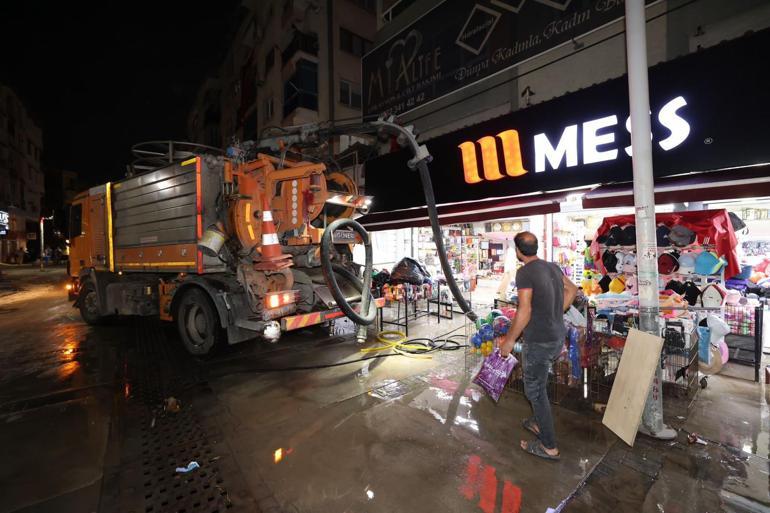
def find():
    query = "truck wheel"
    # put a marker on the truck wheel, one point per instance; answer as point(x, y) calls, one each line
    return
point(197, 322)
point(89, 304)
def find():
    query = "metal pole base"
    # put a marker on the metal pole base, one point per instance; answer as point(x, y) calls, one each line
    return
point(666, 433)
point(361, 334)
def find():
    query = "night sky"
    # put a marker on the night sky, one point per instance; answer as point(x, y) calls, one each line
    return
point(98, 78)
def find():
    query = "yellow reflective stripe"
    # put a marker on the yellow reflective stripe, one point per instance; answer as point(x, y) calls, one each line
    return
point(189, 161)
point(109, 228)
point(157, 264)
point(251, 231)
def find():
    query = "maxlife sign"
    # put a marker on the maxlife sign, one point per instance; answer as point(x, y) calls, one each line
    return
point(500, 156)
point(460, 42)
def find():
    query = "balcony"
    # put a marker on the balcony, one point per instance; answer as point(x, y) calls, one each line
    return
point(300, 99)
point(301, 90)
point(300, 42)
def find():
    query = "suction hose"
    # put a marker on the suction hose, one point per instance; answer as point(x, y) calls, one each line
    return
point(368, 307)
point(430, 201)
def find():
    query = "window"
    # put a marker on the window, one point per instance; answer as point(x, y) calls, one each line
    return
point(301, 90)
point(268, 110)
point(367, 5)
point(353, 43)
point(288, 8)
point(350, 94)
point(250, 126)
point(269, 60)
point(76, 220)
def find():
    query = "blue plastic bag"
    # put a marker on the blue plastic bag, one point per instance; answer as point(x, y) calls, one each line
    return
point(704, 343)
point(574, 353)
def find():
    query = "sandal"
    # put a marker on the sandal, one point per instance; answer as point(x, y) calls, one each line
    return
point(529, 425)
point(535, 447)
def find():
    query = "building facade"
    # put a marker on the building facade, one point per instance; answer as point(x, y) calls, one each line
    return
point(585, 58)
point(291, 62)
point(21, 179)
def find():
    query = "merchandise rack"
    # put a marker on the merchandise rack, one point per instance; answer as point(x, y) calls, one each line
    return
point(603, 350)
point(408, 298)
point(746, 329)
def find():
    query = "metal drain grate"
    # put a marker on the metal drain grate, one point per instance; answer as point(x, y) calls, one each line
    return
point(149, 444)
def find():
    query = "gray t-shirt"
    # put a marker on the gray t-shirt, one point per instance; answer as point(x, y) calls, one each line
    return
point(545, 280)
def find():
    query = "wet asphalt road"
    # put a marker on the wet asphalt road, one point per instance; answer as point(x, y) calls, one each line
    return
point(83, 428)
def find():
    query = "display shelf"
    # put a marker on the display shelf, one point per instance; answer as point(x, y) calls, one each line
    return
point(660, 248)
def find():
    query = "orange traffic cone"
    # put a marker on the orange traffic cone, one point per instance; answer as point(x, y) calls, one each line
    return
point(272, 256)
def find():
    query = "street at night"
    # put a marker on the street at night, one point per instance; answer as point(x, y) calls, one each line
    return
point(343, 256)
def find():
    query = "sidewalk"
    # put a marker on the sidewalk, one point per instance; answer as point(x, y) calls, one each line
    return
point(24, 281)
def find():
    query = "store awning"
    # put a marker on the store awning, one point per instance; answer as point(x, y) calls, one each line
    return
point(469, 212)
point(726, 184)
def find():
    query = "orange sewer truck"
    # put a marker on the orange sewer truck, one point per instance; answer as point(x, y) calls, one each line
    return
point(226, 248)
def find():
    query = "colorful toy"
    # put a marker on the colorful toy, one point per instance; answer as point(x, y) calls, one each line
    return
point(509, 312)
point(492, 315)
point(501, 325)
point(476, 340)
point(487, 332)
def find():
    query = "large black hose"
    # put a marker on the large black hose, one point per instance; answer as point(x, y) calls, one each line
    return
point(430, 201)
point(368, 308)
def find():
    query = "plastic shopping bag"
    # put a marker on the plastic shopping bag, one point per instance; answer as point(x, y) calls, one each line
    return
point(494, 373)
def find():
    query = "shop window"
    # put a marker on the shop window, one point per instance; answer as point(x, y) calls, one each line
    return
point(353, 43)
point(76, 220)
point(350, 94)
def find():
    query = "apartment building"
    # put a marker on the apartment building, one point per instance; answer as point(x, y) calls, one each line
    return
point(291, 62)
point(21, 180)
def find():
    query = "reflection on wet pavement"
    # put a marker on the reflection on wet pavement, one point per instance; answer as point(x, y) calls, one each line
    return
point(386, 435)
point(55, 402)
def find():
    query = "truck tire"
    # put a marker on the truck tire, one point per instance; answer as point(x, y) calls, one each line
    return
point(197, 322)
point(88, 303)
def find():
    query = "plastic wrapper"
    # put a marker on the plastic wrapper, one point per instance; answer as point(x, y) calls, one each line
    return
point(494, 373)
point(409, 270)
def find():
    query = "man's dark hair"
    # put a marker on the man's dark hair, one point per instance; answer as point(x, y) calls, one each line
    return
point(526, 242)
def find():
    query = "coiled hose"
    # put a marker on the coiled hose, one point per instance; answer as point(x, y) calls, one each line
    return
point(368, 307)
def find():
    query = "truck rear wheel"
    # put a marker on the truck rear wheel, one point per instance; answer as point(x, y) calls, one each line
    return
point(197, 322)
point(89, 304)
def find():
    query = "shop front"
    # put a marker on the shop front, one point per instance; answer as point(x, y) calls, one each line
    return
point(572, 154)
point(17, 233)
point(562, 170)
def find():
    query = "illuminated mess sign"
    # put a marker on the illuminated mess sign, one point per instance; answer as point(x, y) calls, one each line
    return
point(598, 137)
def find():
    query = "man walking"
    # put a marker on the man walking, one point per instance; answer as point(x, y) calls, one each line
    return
point(544, 295)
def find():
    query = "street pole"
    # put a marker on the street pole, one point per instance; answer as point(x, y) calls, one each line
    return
point(42, 241)
point(644, 205)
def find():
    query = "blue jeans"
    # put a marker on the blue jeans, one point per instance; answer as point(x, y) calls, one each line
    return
point(538, 357)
